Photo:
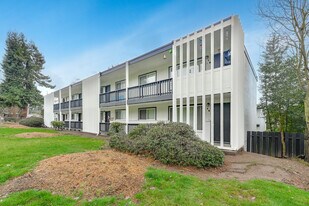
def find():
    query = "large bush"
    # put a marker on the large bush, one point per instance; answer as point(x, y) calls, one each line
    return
point(116, 128)
point(32, 122)
point(10, 119)
point(57, 125)
point(171, 143)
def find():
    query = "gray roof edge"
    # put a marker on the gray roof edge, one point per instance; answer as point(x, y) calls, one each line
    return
point(152, 53)
point(139, 58)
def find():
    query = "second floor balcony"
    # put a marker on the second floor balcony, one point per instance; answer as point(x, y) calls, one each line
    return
point(65, 105)
point(155, 91)
point(117, 97)
point(76, 103)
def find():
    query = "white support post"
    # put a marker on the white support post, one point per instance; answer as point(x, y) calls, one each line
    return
point(188, 76)
point(174, 55)
point(203, 89)
point(180, 82)
point(127, 97)
point(212, 85)
point(221, 88)
point(70, 113)
point(60, 100)
point(194, 84)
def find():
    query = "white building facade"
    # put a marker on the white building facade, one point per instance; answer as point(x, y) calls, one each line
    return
point(204, 79)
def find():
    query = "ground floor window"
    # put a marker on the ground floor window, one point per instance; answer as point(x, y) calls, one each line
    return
point(120, 114)
point(147, 113)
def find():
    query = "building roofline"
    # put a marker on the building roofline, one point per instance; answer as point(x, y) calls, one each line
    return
point(250, 63)
point(139, 58)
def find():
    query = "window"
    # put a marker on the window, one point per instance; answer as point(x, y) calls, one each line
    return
point(170, 72)
point(227, 45)
point(148, 78)
point(147, 113)
point(120, 113)
point(120, 85)
point(208, 51)
point(217, 47)
point(76, 96)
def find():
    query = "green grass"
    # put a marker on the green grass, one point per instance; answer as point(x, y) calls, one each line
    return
point(170, 188)
point(19, 155)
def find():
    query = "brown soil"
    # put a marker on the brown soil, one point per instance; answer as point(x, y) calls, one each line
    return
point(12, 125)
point(86, 175)
point(108, 172)
point(36, 135)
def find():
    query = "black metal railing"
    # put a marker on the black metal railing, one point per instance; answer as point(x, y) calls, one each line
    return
point(77, 103)
point(77, 125)
point(65, 105)
point(66, 124)
point(104, 126)
point(56, 106)
point(113, 96)
point(152, 89)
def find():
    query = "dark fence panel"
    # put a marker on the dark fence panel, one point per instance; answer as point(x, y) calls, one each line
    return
point(77, 125)
point(269, 143)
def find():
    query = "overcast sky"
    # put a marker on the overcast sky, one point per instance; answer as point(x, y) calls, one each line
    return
point(79, 38)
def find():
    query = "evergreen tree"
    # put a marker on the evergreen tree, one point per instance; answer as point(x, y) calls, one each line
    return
point(22, 67)
point(282, 97)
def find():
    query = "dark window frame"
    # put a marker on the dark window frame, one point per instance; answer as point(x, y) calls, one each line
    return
point(145, 108)
point(139, 77)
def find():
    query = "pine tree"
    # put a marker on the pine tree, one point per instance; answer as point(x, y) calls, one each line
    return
point(282, 97)
point(22, 67)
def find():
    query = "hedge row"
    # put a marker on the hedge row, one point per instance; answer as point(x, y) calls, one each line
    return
point(171, 143)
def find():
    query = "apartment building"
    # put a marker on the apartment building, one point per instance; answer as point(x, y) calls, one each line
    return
point(204, 79)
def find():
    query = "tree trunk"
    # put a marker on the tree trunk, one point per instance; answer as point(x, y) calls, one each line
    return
point(306, 105)
point(283, 144)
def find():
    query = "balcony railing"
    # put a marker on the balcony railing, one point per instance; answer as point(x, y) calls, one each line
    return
point(104, 127)
point(66, 124)
point(76, 103)
point(152, 89)
point(113, 96)
point(77, 125)
point(65, 105)
point(56, 106)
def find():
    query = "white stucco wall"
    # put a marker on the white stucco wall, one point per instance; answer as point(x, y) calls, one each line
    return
point(48, 109)
point(91, 112)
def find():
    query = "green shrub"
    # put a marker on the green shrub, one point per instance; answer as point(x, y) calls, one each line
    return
point(58, 125)
point(138, 131)
point(116, 128)
point(10, 119)
point(171, 143)
point(32, 122)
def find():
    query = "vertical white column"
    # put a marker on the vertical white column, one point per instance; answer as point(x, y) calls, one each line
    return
point(127, 97)
point(180, 82)
point(174, 55)
point(203, 89)
point(70, 113)
point(60, 100)
point(221, 88)
point(99, 113)
point(188, 76)
point(212, 83)
point(194, 84)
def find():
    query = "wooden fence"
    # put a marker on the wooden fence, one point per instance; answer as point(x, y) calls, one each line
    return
point(269, 143)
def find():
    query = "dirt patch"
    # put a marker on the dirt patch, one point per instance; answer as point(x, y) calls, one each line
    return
point(86, 175)
point(247, 166)
point(36, 135)
point(12, 125)
point(108, 172)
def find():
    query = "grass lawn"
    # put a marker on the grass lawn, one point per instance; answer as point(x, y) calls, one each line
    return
point(19, 155)
point(170, 188)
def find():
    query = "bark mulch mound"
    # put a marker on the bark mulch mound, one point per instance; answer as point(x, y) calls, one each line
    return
point(85, 175)
point(36, 135)
point(12, 125)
